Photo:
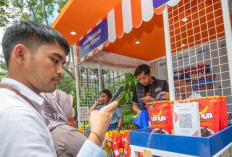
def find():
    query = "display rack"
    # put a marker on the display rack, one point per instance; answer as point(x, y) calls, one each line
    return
point(180, 146)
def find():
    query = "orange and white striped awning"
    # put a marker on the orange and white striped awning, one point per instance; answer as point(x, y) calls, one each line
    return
point(122, 18)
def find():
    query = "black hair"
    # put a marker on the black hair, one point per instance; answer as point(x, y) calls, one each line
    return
point(142, 68)
point(31, 34)
point(108, 93)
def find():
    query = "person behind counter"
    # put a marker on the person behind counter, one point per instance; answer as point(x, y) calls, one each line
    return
point(117, 118)
point(147, 88)
point(183, 87)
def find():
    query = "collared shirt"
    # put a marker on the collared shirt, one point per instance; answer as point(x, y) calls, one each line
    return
point(23, 129)
point(194, 95)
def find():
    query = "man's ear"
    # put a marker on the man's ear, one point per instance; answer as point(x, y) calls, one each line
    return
point(19, 52)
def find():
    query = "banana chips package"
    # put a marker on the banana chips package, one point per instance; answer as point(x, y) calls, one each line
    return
point(160, 115)
point(212, 115)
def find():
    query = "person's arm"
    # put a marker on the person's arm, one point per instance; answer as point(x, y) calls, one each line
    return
point(120, 120)
point(147, 99)
point(94, 106)
point(136, 108)
point(99, 121)
point(119, 114)
point(166, 96)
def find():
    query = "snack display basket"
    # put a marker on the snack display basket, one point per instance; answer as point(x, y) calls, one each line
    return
point(181, 146)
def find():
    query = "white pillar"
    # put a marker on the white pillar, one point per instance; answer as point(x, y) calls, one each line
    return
point(168, 55)
point(77, 85)
point(99, 77)
point(228, 36)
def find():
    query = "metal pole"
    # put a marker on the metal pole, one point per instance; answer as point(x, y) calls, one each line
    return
point(228, 35)
point(77, 85)
point(99, 77)
point(168, 55)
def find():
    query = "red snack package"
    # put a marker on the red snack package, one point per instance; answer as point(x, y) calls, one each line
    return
point(209, 115)
point(223, 112)
point(119, 140)
point(115, 149)
point(160, 115)
point(127, 150)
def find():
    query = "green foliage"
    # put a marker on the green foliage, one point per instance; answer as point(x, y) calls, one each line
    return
point(66, 84)
point(127, 120)
point(73, 93)
point(15, 11)
point(129, 83)
point(89, 94)
point(3, 68)
point(127, 112)
point(86, 97)
point(12, 11)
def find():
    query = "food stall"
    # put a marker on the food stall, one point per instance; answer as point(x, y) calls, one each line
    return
point(194, 36)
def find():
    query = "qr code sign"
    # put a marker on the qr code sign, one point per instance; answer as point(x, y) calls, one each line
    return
point(185, 121)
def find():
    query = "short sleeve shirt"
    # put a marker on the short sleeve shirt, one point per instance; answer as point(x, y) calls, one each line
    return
point(117, 114)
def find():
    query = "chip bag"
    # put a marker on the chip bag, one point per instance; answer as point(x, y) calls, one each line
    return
point(209, 112)
point(160, 114)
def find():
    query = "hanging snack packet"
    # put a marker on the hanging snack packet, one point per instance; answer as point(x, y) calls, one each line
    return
point(160, 115)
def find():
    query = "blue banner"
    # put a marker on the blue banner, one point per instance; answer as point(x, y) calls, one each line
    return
point(94, 38)
point(159, 3)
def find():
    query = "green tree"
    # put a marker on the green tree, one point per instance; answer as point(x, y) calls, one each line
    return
point(129, 82)
point(3, 68)
point(12, 11)
point(36, 10)
point(15, 11)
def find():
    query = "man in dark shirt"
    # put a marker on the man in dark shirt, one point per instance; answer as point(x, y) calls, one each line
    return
point(147, 88)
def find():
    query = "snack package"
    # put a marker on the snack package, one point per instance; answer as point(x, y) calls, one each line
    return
point(209, 113)
point(223, 114)
point(126, 140)
point(115, 149)
point(160, 114)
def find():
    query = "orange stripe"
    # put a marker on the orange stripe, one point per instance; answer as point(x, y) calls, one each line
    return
point(78, 54)
point(86, 57)
point(160, 9)
point(95, 51)
point(118, 20)
point(136, 12)
point(106, 43)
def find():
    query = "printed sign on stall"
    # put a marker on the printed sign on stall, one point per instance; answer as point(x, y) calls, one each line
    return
point(84, 113)
point(158, 3)
point(201, 75)
point(94, 38)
